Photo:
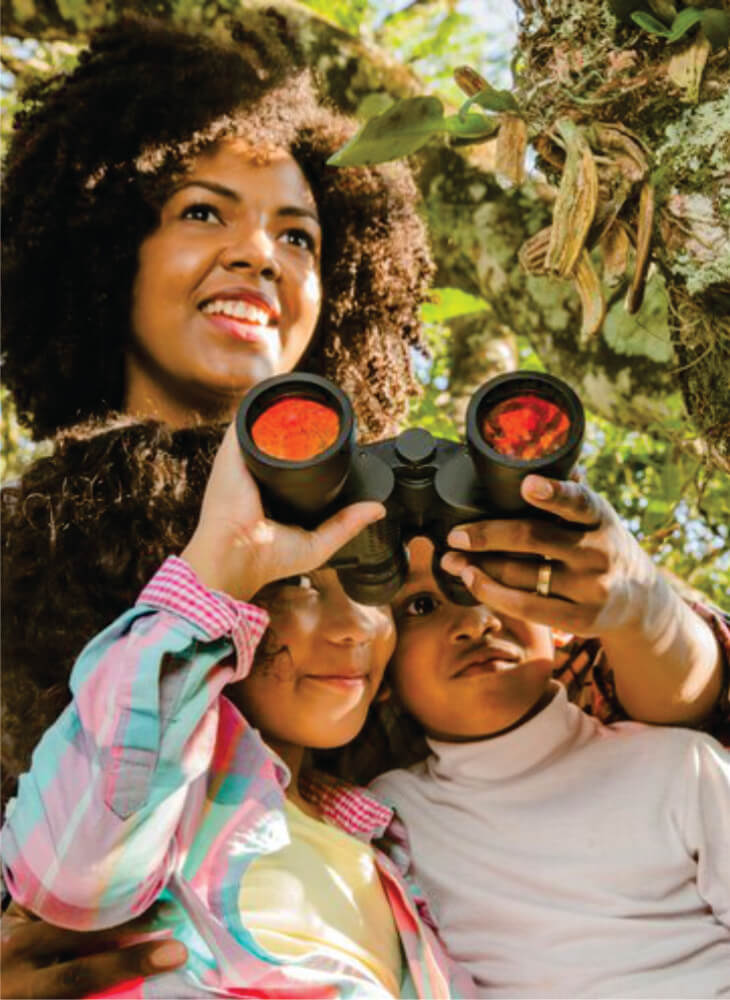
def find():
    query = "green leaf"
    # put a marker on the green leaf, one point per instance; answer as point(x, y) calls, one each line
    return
point(492, 100)
point(647, 332)
point(446, 303)
point(649, 23)
point(683, 22)
point(472, 126)
point(374, 104)
point(716, 26)
point(399, 131)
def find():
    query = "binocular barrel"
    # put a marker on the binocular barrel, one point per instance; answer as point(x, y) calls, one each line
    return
point(297, 436)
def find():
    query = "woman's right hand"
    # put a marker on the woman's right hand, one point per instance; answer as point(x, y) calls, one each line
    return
point(40, 960)
point(237, 549)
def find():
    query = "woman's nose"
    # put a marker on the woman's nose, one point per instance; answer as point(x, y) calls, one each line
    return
point(250, 248)
point(474, 621)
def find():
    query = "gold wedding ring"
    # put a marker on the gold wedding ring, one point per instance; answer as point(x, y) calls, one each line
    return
point(543, 579)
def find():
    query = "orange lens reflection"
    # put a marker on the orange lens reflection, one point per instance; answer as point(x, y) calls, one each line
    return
point(295, 428)
point(526, 427)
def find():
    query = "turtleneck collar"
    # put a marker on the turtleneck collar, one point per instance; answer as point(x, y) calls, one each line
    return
point(520, 750)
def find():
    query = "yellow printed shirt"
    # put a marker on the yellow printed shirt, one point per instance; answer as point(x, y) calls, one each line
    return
point(322, 893)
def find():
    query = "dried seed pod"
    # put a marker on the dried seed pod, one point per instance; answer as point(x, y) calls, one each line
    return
point(533, 252)
point(644, 229)
point(631, 158)
point(510, 149)
point(615, 247)
point(469, 81)
point(591, 295)
point(576, 203)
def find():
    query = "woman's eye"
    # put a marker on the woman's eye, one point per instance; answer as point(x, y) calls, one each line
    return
point(420, 605)
point(201, 212)
point(300, 238)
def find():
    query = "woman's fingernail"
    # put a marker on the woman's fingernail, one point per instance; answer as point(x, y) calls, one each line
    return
point(539, 488)
point(459, 539)
point(453, 563)
point(468, 575)
point(168, 955)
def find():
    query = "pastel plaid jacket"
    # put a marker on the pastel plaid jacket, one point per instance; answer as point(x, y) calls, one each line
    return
point(152, 785)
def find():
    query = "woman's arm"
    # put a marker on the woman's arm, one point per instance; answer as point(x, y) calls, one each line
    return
point(667, 663)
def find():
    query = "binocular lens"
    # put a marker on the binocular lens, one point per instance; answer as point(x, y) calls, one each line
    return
point(526, 427)
point(295, 428)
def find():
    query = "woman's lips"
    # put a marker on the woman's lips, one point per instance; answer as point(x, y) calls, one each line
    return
point(244, 330)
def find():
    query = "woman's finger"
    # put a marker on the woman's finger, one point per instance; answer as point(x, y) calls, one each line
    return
point(572, 501)
point(520, 574)
point(93, 974)
point(532, 537)
point(551, 610)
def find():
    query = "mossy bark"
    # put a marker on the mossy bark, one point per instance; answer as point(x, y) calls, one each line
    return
point(577, 60)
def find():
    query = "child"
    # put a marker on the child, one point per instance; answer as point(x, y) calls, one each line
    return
point(563, 857)
point(154, 783)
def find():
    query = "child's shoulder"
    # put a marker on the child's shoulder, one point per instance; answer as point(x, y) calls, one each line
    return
point(390, 785)
point(672, 744)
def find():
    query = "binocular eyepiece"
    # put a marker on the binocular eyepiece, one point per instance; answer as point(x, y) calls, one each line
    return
point(297, 437)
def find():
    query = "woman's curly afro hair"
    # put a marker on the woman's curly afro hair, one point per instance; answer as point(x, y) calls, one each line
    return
point(83, 531)
point(91, 161)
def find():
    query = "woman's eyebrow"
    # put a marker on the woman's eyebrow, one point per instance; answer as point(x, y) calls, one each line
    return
point(299, 211)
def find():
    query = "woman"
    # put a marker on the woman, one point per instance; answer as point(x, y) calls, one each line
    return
point(92, 184)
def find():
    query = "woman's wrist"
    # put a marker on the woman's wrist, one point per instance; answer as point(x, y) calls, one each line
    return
point(667, 666)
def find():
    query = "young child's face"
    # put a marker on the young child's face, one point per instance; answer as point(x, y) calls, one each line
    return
point(463, 672)
point(321, 665)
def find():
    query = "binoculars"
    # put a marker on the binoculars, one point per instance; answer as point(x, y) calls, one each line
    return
point(297, 436)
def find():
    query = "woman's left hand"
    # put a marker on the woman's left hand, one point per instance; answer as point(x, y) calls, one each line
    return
point(600, 579)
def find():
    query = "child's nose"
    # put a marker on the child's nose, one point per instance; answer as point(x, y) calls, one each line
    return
point(349, 623)
point(474, 621)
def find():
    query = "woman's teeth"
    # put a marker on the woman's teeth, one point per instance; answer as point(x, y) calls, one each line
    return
point(238, 310)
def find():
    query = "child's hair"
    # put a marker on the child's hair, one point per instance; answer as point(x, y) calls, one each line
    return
point(93, 156)
point(83, 531)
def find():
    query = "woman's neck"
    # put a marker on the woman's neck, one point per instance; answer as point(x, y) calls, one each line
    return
point(148, 398)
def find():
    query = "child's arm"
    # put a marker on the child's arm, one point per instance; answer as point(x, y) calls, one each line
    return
point(96, 829)
point(94, 836)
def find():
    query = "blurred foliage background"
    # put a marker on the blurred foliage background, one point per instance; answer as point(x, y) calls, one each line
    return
point(677, 506)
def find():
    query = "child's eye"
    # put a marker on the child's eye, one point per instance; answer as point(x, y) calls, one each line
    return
point(420, 606)
point(299, 238)
point(302, 581)
point(201, 212)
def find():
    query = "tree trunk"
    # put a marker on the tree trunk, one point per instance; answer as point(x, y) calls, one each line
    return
point(478, 226)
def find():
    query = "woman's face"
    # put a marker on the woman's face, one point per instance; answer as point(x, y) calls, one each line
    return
point(228, 288)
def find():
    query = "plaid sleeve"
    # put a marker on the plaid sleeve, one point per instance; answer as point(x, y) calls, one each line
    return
point(97, 824)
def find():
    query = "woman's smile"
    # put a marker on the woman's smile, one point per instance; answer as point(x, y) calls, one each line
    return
point(228, 290)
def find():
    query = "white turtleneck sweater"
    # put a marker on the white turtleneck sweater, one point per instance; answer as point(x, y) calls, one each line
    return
point(571, 859)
